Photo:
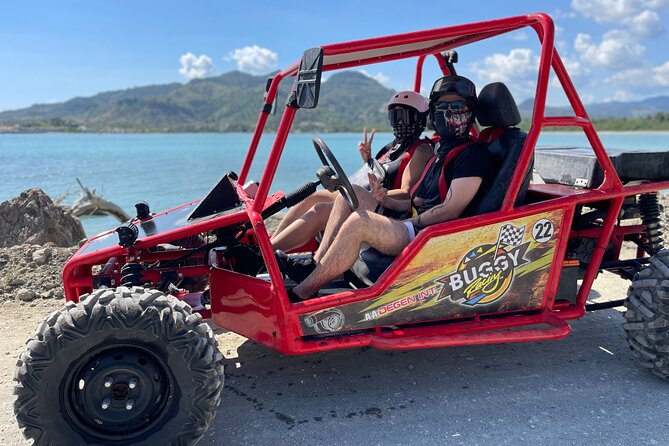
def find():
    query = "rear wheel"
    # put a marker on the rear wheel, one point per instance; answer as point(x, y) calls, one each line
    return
point(647, 315)
point(125, 366)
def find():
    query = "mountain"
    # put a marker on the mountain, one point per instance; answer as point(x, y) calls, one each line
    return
point(349, 101)
point(607, 110)
point(231, 102)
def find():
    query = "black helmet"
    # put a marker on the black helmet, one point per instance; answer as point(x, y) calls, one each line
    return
point(454, 84)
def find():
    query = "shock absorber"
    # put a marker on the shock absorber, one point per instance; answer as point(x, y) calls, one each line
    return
point(650, 216)
point(131, 274)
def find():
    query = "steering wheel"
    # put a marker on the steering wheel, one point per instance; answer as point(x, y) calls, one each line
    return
point(332, 176)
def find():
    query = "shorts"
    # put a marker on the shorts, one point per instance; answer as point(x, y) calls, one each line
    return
point(411, 228)
point(397, 215)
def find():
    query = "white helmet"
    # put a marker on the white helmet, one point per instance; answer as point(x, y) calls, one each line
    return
point(412, 99)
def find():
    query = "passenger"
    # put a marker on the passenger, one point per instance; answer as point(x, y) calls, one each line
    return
point(407, 112)
point(450, 185)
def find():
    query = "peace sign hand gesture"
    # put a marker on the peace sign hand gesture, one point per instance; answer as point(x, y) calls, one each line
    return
point(365, 146)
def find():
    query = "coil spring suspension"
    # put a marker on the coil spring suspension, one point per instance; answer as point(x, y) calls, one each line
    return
point(650, 216)
point(131, 274)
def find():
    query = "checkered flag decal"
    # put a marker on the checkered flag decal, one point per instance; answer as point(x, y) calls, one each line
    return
point(510, 235)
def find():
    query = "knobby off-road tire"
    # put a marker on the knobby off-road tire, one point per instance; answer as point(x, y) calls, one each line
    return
point(144, 355)
point(647, 315)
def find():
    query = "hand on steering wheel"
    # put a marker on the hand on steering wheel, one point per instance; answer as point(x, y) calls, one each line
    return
point(332, 176)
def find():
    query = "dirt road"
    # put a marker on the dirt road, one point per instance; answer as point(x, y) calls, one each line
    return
point(583, 390)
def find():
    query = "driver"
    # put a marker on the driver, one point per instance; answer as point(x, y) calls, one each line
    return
point(450, 188)
point(407, 113)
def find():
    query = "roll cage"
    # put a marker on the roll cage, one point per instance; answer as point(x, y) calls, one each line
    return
point(432, 43)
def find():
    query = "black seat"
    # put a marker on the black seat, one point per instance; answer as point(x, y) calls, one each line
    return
point(499, 113)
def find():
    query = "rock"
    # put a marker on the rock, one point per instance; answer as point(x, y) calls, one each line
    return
point(25, 295)
point(16, 281)
point(32, 218)
point(41, 256)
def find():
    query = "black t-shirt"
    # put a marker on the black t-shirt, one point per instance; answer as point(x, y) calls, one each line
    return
point(472, 161)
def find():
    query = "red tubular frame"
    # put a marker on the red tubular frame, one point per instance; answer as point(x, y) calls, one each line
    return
point(262, 311)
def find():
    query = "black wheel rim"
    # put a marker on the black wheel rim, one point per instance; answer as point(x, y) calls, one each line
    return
point(118, 392)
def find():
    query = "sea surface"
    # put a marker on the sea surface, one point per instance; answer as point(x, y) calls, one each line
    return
point(167, 170)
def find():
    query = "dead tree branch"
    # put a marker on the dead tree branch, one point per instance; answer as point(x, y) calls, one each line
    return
point(91, 204)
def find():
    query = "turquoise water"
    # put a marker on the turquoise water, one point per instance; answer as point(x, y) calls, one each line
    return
point(169, 169)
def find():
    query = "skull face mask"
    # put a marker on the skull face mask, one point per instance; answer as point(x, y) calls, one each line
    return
point(451, 124)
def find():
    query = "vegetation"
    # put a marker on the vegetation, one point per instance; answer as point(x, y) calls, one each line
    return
point(656, 122)
point(231, 102)
point(227, 103)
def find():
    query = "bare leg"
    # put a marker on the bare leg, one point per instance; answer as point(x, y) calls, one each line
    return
point(303, 229)
point(340, 212)
point(385, 234)
point(295, 212)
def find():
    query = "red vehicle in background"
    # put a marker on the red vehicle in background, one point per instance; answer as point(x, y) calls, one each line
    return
point(129, 360)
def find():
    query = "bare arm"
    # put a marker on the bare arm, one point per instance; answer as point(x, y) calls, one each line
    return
point(398, 199)
point(459, 195)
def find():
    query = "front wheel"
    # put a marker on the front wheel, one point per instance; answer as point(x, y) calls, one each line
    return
point(123, 367)
point(647, 315)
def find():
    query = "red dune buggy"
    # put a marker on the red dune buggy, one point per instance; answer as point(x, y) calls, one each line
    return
point(129, 360)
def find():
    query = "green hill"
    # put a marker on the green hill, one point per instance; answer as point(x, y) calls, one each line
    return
point(227, 103)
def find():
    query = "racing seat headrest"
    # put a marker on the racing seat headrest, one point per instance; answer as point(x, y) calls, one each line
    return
point(496, 107)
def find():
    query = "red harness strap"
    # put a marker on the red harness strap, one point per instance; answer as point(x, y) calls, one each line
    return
point(443, 189)
point(405, 161)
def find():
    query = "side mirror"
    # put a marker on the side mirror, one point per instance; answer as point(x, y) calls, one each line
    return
point(308, 82)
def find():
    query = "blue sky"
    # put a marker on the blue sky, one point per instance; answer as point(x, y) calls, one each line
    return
point(55, 50)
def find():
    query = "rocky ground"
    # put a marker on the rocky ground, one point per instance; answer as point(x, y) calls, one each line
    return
point(29, 272)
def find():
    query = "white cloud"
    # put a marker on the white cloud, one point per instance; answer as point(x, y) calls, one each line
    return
point(615, 50)
point(638, 15)
point(518, 64)
point(641, 77)
point(614, 11)
point(519, 36)
point(193, 67)
point(620, 96)
point(574, 67)
point(588, 98)
point(632, 76)
point(518, 70)
point(647, 25)
point(254, 59)
point(379, 77)
point(661, 75)
point(559, 14)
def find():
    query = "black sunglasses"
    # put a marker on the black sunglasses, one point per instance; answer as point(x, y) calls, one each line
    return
point(456, 106)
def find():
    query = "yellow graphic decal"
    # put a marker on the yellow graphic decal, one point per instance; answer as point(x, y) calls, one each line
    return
point(491, 269)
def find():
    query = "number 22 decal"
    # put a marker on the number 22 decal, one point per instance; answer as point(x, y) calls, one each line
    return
point(542, 231)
